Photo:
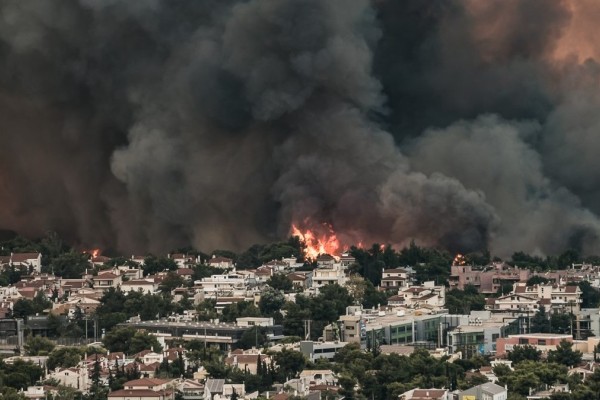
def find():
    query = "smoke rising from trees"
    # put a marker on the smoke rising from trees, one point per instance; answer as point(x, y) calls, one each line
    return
point(151, 124)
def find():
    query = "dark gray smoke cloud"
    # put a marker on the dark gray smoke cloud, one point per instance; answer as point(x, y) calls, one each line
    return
point(145, 125)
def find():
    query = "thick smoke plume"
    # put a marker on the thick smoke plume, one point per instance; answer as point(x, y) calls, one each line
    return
point(150, 124)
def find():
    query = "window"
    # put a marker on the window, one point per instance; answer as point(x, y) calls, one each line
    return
point(495, 337)
point(541, 342)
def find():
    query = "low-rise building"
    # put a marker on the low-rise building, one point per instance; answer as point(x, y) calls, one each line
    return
point(31, 261)
point(427, 294)
point(485, 391)
point(76, 377)
point(315, 350)
point(394, 279)
point(247, 361)
point(220, 262)
point(218, 333)
point(217, 389)
point(127, 394)
point(327, 274)
point(426, 394)
point(106, 280)
point(147, 286)
point(542, 341)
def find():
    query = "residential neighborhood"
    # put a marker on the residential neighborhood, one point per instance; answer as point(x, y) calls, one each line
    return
point(204, 327)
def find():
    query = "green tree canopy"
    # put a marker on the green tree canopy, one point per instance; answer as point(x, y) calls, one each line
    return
point(23, 308)
point(153, 264)
point(524, 353)
point(170, 282)
point(130, 341)
point(271, 301)
point(70, 265)
point(280, 282)
point(564, 354)
point(240, 309)
point(289, 363)
point(253, 337)
point(38, 346)
point(64, 357)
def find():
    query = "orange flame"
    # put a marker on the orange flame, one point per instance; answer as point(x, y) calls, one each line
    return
point(315, 243)
point(459, 260)
point(92, 252)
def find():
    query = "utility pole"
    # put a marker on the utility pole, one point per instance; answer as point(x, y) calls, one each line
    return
point(307, 329)
point(571, 316)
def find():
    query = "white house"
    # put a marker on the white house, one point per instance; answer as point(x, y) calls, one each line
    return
point(148, 384)
point(184, 260)
point(220, 262)
point(512, 302)
point(217, 389)
point(140, 285)
point(485, 391)
point(73, 377)
point(429, 394)
point(223, 284)
point(33, 260)
point(394, 278)
point(328, 274)
point(106, 280)
point(425, 294)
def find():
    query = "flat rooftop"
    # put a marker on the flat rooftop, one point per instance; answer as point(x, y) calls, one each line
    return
point(183, 324)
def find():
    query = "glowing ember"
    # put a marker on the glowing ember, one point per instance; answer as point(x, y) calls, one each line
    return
point(93, 252)
point(318, 243)
point(459, 260)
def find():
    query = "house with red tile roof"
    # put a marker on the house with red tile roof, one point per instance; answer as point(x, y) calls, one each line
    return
point(148, 286)
point(106, 280)
point(184, 260)
point(126, 394)
point(247, 362)
point(154, 384)
point(185, 273)
point(301, 280)
point(220, 262)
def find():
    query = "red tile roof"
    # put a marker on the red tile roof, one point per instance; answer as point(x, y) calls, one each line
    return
point(184, 271)
point(23, 257)
point(217, 260)
point(394, 271)
point(135, 393)
point(146, 382)
point(105, 275)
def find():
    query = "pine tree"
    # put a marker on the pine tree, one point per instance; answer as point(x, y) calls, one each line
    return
point(164, 367)
point(96, 373)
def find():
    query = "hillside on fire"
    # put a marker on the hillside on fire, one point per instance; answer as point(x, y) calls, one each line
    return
point(150, 125)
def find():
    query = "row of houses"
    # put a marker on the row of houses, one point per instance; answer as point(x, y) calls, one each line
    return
point(490, 279)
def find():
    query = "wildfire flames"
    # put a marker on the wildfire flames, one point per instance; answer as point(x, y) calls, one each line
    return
point(92, 252)
point(318, 241)
point(459, 260)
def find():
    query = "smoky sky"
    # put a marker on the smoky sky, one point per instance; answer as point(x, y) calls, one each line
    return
point(152, 124)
